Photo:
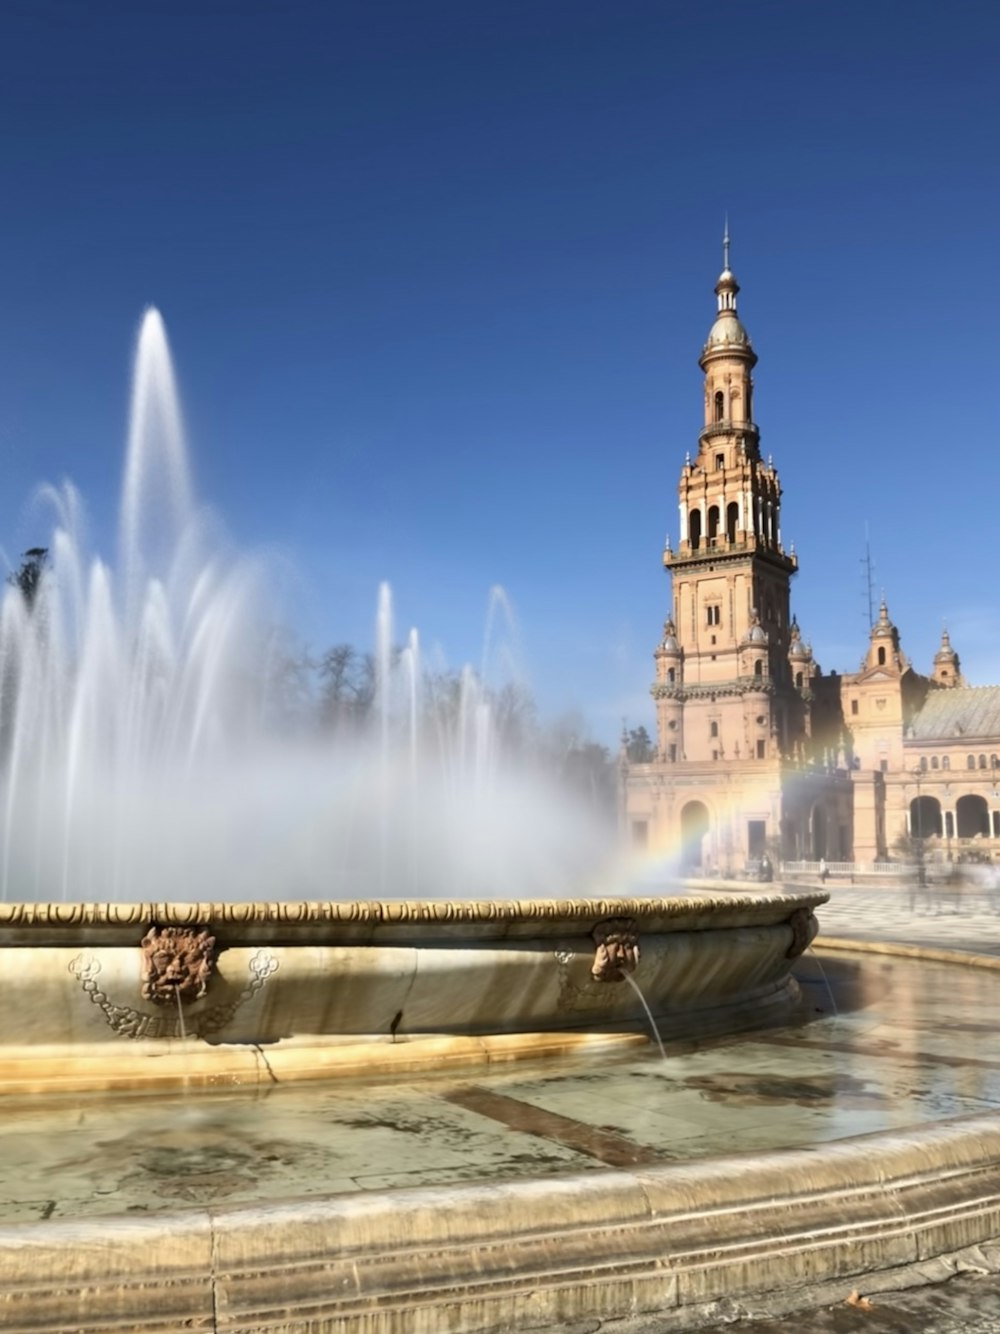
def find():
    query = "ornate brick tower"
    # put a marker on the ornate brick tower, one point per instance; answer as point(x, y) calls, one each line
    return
point(724, 687)
point(734, 776)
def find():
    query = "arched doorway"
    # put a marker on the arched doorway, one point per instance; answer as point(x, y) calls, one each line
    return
point(694, 827)
point(972, 816)
point(925, 818)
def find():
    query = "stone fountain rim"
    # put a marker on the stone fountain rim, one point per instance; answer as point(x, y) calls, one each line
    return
point(649, 912)
point(409, 923)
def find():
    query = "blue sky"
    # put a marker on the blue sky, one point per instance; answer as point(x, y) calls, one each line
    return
point(437, 276)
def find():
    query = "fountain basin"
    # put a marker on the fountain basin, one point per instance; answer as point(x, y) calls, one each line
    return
point(307, 990)
point(531, 1199)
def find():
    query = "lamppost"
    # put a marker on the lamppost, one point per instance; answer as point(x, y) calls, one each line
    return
point(919, 840)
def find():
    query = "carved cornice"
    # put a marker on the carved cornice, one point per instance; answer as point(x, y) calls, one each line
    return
point(751, 685)
point(30, 924)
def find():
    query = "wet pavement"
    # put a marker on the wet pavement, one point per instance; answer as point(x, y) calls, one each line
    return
point(968, 1304)
point(936, 917)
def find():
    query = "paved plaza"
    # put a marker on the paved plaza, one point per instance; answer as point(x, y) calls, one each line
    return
point(934, 917)
point(966, 919)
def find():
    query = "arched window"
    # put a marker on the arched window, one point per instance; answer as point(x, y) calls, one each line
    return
point(934, 761)
point(881, 657)
point(713, 523)
point(982, 761)
point(798, 680)
point(758, 667)
point(923, 763)
point(713, 729)
point(970, 762)
point(694, 529)
point(732, 520)
point(671, 675)
point(945, 762)
point(720, 405)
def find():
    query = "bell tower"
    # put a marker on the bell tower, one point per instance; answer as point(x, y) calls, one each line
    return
point(750, 757)
point(724, 687)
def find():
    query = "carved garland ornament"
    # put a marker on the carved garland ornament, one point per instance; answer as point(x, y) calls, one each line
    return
point(617, 949)
point(127, 1022)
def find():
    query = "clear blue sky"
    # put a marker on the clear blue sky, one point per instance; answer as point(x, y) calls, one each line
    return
point(437, 276)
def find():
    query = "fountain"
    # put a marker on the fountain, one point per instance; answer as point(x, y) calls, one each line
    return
point(192, 901)
point(338, 900)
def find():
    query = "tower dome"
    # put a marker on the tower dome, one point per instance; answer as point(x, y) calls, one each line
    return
point(797, 650)
point(669, 643)
point(884, 649)
point(947, 669)
point(727, 334)
point(756, 634)
point(727, 331)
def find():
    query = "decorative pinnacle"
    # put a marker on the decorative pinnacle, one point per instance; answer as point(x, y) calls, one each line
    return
point(725, 245)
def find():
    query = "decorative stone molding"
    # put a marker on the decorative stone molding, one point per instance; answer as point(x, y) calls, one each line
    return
point(801, 922)
point(177, 963)
point(617, 949)
point(127, 1022)
point(366, 920)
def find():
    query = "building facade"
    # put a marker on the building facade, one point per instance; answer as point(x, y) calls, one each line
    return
point(757, 750)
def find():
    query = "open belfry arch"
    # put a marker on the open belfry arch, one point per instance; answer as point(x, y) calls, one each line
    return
point(734, 679)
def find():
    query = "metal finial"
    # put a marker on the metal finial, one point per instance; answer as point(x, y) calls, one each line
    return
point(725, 245)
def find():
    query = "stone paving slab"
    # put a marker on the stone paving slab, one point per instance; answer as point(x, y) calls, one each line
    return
point(938, 917)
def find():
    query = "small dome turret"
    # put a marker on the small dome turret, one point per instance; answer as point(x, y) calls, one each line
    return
point(669, 643)
point(756, 634)
point(884, 649)
point(797, 650)
point(947, 669)
point(883, 627)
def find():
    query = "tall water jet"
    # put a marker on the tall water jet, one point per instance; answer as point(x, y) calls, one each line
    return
point(156, 503)
point(142, 751)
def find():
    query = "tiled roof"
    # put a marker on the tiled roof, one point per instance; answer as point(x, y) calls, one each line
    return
point(962, 711)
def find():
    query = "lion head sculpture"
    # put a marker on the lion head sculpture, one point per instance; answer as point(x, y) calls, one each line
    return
point(177, 963)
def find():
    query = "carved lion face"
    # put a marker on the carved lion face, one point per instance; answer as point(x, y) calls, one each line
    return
point(177, 961)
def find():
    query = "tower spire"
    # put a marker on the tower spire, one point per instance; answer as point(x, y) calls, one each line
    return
point(725, 245)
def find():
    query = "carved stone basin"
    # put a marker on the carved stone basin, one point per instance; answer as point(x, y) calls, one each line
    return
point(128, 995)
